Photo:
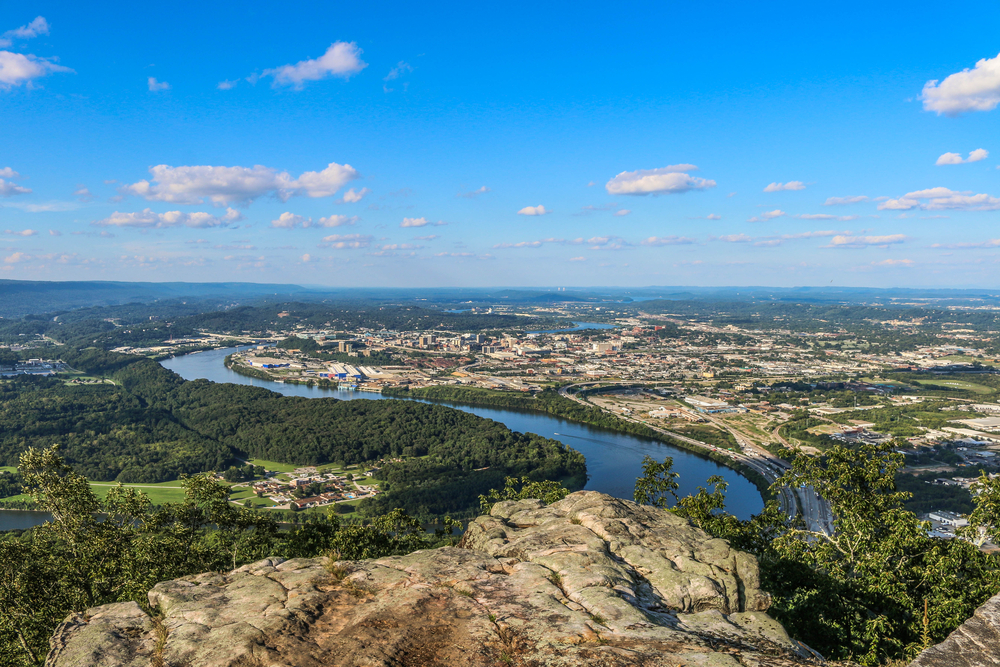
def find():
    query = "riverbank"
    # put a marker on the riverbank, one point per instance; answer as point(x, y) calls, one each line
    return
point(246, 371)
point(550, 402)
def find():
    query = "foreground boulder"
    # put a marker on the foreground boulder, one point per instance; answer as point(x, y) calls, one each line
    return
point(588, 580)
point(975, 643)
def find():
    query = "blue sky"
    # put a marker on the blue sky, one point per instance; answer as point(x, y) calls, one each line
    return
point(530, 144)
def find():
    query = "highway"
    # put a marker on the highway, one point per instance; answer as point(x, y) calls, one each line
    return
point(805, 502)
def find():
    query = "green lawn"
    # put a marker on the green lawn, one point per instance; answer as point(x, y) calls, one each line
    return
point(957, 384)
point(163, 492)
point(274, 465)
point(8, 468)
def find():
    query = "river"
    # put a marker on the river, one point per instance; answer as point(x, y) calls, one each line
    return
point(614, 459)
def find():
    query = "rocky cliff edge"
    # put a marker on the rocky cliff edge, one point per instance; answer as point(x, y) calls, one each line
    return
point(588, 580)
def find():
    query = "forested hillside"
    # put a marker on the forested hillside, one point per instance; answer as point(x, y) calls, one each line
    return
point(153, 426)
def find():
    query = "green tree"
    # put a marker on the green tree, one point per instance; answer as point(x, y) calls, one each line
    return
point(658, 481)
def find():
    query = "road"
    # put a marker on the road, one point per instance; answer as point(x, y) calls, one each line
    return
point(805, 502)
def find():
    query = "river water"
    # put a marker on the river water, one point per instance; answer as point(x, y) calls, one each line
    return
point(614, 460)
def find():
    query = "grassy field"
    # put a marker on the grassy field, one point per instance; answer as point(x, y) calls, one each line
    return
point(8, 468)
point(163, 492)
point(274, 465)
point(961, 385)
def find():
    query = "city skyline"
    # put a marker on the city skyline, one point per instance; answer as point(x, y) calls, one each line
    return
point(659, 144)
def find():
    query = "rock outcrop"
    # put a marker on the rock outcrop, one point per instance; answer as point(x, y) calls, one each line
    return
point(588, 580)
point(975, 643)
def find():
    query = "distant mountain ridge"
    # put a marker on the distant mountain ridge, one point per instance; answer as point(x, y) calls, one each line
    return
point(24, 297)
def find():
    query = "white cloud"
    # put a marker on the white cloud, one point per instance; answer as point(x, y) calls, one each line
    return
point(578, 259)
point(713, 216)
point(306, 258)
point(147, 219)
point(956, 158)
point(17, 258)
point(352, 196)
point(894, 262)
point(976, 89)
point(667, 240)
point(8, 189)
point(533, 210)
point(825, 216)
point(671, 179)
point(290, 221)
point(843, 241)
point(475, 193)
point(336, 221)
point(37, 27)
point(227, 84)
point(21, 69)
point(342, 59)
point(23, 232)
point(840, 201)
point(940, 199)
point(155, 86)
point(429, 237)
point(790, 185)
point(83, 194)
point(414, 222)
point(342, 241)
point(53, 232)
point(622, 212)
point(769, 215)
point(735, 238)
point(239, 185)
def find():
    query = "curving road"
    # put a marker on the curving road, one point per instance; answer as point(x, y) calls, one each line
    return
point(815, 512)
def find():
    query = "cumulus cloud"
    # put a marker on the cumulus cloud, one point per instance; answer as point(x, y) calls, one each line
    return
point(18, 69)
point(147, 219)
point(734, 238)
point(336, 221)
point(841, 201)
point(534, 210)
point(414, 222)
point(54, 232)
point(156, 86)
point(8, 189)
point(352, 196)
point(236, 185)
point(227, 84)
point(622, 212)
point(956, 158)
point(894, 262)
point(290, 221)
point(23, 232)
point(940, 199)
point(769, 215)
point(342, 59)
point(672, 179)
point(347, 241)
point(770, 241)
point(578, 259)
point(667, 240)
point(790, 185)
point(844, 241)
point(976, 89)
point(473, 194)
point(17, 258)
point(37, 27)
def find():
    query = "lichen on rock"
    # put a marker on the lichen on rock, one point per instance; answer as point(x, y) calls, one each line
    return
point(588, 580)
